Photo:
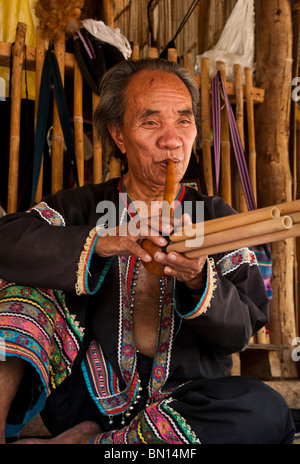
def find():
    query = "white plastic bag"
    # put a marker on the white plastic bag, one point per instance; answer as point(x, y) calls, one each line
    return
point(236, 44)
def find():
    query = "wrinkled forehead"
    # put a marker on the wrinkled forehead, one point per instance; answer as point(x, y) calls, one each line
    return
point(156, 85)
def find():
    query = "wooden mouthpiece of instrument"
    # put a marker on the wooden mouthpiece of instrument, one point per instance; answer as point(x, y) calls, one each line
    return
point(169, 194)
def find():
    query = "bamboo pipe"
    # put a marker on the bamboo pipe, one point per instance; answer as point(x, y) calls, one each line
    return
point(78, 123)
point(96, 145)
point(206, 127)
point(238, 233)
point(18, 52)
point(225, 223)
point(293, 232)
point(169, 194)
point(57, 151)
point(289, 207)
point(40, 57)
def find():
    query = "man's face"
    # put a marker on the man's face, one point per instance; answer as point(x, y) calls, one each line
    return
point(159, 125)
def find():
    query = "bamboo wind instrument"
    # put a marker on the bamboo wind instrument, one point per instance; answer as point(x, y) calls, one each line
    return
point(169, 193)
point(265, 225)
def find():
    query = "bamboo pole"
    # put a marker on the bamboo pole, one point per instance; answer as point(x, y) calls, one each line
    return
point(206, 126)
point(239, 114)
point(18, 53)
point(293, 232)
point(251, 130)
point(188, 62)
point(289, 207)
point(226, 223)
point(97, 146)
point(238, 233)
point(172, 55)
point(57, 152)
point(225, 146)
point(40, 57)
point(152, 52)
point(108, 12)
point(78, 123)
point(135, 52)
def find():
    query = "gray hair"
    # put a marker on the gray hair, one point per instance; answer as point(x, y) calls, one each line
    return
point(113, 86)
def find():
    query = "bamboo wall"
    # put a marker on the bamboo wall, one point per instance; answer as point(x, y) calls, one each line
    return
point(166, 15)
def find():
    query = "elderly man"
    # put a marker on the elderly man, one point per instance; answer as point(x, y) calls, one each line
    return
point(107, 351)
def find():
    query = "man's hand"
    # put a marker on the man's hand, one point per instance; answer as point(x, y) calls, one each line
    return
point(126, 239)
point(190, 271)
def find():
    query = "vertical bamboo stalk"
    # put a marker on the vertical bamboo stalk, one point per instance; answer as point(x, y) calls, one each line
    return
point(239, 95)
point(16, 84)
point(225, 146)
point(57, 134)
point(108, 12)
point(97, 146)
point(39, 60)
point(172, 55)
point(152, 52)
point(78, 123)
point(206, 127)
point(188, 62)
point(135, 52)
point(251, 129)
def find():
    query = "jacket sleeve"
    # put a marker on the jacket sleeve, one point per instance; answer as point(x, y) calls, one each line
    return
point(232, 306)
point(51, 246)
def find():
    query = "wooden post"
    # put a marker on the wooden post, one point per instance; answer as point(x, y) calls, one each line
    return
point(272, 118)
point(225, 146)
point(40, 57)
point(16, 88)
point(57, 134)
point(78, 123)
point(206, 126)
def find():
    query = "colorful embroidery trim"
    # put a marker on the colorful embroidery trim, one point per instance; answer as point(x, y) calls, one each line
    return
point(208, 293)
point(232, 261)
point(102, 383)
point(83, 274)
point(49, 214)
point(157, 424)
point(36, 324)
point(37, 327)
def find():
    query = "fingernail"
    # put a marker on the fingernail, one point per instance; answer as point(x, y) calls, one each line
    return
point(163, 241)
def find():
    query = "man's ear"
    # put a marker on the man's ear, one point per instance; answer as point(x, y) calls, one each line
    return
point(117, 136)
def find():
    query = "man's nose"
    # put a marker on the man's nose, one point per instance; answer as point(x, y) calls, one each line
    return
point(169, 139)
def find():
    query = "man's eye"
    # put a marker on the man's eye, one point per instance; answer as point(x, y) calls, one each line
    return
point(149, 123)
